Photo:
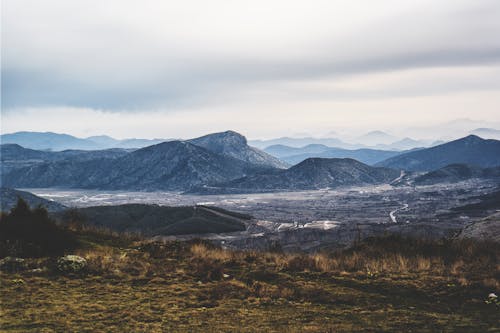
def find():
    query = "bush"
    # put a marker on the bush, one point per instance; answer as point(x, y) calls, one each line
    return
point(26, 232)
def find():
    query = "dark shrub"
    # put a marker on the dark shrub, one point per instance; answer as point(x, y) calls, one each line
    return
point(29, 232)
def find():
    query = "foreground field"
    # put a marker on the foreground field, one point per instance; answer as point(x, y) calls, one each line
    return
point(388, 284)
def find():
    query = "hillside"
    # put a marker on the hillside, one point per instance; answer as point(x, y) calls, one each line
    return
point(153, 220)
point(457, 172)
point(313, 173)
point(9, 197)
point(470, 150)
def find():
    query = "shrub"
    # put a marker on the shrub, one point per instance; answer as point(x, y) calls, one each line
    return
point(27, 232)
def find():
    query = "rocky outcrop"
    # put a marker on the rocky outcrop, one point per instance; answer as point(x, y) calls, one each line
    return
point(71, 264)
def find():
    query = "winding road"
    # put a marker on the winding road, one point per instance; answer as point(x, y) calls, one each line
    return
point(392, 214)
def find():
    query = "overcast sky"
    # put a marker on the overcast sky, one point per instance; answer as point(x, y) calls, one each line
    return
point(264, 68)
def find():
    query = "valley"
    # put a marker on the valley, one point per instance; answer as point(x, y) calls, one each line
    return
point(309, 220)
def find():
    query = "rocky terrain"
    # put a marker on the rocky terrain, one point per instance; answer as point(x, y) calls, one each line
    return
point(235, 145)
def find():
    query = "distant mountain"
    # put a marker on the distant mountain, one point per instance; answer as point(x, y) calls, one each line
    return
point(235, 145)
point(293, 155)
point(103, 140)
point(13, 156)
point(486, 133)
point(313, 173)
point(139, 143)
point(457, 172)
point(153, 220)
point(470, 150)
point(301, 142)
point(173, 165)
point(59, 142)
point(48, 141)
point(9, 197)
point(375, 137)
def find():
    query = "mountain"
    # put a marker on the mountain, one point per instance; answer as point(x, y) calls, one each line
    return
point(48, 141)
point(470, 150)
point(293, 155)
point(139, 143)
point(174, 165)
point(457, 172)
point(313, 173)
point(103, 140)
point(301, 142)
point(486, 133)
point(235, 145)
point(153, 220)
point(13, 156)
point(9, 197)
point(375, 137)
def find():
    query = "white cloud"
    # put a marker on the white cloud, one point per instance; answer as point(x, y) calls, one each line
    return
point(222, 64)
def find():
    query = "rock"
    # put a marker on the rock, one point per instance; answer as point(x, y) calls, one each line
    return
point(12, 264)
point(71, 264)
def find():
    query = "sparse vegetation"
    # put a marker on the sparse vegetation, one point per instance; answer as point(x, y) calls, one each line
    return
point(381, 284)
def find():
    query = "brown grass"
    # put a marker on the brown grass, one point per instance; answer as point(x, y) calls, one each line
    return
point(388, 284)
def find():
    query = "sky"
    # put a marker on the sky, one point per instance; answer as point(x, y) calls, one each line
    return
point(265, 68)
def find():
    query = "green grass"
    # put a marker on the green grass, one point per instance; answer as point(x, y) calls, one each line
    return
point(381, 285)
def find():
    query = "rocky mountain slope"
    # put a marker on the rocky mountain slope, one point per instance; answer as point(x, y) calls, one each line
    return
point(235, 145)
point(470, 150)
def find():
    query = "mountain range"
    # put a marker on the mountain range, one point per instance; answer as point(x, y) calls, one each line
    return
point(59, 142)
point(174, 165)
point(225, 162)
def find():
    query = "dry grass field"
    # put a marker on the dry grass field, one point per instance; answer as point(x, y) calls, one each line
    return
point(389, 284)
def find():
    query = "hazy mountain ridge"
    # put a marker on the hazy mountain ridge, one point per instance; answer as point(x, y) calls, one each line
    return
point(294, 155)
point(13, 156)
point(59, 141)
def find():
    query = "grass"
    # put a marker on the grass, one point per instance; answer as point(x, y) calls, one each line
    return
point(131, 285)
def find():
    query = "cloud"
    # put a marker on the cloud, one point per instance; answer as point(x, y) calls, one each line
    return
point(124, 55)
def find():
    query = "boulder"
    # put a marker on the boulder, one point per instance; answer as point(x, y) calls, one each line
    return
point(71, 264)
point(12, 264)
